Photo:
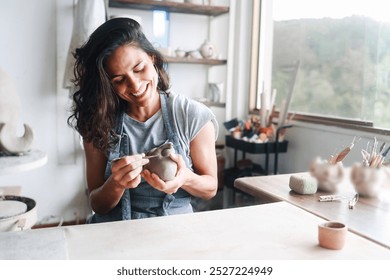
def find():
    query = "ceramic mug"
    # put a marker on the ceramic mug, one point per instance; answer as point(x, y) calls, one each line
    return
point(332, 235)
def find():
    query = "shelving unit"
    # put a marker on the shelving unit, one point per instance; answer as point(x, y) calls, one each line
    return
point(210, 11)
point(173, 59)
point(172, 7)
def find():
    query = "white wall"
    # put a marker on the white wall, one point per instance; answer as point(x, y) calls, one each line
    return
point(33, 50)
point(28, 54)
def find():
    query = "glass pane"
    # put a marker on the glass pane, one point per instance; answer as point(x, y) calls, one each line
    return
point(344, 52)
point(160, 28)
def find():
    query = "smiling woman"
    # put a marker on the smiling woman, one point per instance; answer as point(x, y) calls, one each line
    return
point(344, 59)
point(123, 108)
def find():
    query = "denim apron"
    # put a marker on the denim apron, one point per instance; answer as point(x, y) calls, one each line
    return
point(144, 201)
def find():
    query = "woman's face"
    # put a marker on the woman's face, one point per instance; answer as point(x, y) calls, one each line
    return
point(132, 74)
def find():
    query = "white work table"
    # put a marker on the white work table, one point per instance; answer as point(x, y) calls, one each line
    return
point(277, 231)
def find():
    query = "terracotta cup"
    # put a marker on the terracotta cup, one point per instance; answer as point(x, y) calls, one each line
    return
point(332, 235)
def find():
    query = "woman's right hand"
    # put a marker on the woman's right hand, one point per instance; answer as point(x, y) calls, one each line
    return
point(126, 171)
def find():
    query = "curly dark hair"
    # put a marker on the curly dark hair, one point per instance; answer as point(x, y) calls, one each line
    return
point(96, 105)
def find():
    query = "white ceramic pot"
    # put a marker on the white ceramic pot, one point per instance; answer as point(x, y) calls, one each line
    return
point(194, 54)
point(207, 50)
point(19, 221)
point(328, 175)
point(366, 180)
point(180, 53)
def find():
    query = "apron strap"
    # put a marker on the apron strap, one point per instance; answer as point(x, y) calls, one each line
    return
point(167, 115)
point(166, 111)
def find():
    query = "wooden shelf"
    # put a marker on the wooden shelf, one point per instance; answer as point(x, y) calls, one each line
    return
point(172, 7)
point(172, 59)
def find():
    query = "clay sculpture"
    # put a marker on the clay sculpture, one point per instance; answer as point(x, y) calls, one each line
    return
point(162, 164)
point(10, 143)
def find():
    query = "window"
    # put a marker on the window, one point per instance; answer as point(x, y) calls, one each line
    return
point(342, 48)
point(160, 29)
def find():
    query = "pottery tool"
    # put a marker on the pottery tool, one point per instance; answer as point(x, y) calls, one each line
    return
point(366, 157)
point(343, 153)
point(144, 157)
point(384, 154)
point(148, 157)
point(352, 202)
point(382, 147)
point(373, 151)
point(329, 198)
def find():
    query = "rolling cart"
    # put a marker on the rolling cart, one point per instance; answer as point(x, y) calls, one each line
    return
point(244, 168)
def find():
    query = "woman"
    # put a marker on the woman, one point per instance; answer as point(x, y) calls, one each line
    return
point(122, 109)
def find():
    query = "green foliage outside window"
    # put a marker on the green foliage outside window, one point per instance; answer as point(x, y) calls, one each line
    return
point(344, 67)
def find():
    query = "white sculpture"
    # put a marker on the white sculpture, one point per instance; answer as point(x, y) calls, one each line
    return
point(328, 175)
point(10, 143)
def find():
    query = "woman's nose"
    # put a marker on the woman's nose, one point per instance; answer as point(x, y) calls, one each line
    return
point(133, 83)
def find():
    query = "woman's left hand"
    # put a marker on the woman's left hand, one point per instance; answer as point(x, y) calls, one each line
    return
point(173, 185)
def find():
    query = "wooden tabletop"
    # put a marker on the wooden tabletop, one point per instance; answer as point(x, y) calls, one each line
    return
point(276, 231)
point(370, 217)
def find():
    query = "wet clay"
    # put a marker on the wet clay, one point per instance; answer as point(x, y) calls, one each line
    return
point(162, 164)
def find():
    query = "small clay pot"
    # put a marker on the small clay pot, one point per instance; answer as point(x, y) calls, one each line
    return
point(332, 235)
point(162, 164)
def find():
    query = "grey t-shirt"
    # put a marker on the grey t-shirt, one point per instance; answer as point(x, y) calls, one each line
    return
point(189, 117)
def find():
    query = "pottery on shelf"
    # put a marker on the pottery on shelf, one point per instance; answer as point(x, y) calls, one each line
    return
point(328, 175)
point(215, 91)
point(162, 164)
point(207, 50)
point(194, 54)
point(180, 53)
